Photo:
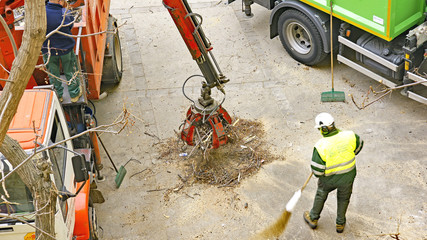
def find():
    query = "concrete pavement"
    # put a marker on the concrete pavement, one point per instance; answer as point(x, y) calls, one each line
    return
point(266, 84)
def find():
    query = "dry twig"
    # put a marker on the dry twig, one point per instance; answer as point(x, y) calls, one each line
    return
point(227, 165)
point(383, 93)
point(138, 173)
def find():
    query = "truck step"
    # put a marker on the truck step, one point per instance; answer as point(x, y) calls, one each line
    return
point(416, 97)
point(66, 96)
point(366, 71)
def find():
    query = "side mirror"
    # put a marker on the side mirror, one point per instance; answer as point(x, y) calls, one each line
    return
point(79, 167)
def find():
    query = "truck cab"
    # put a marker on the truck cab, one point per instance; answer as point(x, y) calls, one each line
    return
point(40, 121)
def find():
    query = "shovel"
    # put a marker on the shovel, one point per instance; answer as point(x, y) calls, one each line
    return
point(275, 230)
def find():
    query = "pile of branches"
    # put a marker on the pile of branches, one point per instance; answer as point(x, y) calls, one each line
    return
point(226, 166)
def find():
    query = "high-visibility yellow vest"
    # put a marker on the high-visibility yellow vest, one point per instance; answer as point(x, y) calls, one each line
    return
point(338, 152)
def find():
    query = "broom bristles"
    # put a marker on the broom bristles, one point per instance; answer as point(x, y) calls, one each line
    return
point(275, 230)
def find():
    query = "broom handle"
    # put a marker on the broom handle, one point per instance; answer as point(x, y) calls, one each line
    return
point(332, 48)
point(105, 149)
point(306, 181)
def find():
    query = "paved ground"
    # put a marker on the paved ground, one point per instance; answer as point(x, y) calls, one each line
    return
point(266, 84)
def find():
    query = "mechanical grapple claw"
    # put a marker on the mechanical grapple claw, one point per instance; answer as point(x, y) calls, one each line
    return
point(207, 127)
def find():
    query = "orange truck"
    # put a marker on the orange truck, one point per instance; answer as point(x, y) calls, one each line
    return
point(100, 55)
point(40, 110)
point(76, 163)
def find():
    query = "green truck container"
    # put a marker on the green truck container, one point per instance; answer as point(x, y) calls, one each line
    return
point(383, 39)
point(386, 19)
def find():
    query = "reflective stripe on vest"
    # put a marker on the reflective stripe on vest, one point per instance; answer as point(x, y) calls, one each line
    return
point(338, 152)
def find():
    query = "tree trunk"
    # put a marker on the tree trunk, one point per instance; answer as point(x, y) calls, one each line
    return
point(22, 68)
point(24, 63)
point(36, 175)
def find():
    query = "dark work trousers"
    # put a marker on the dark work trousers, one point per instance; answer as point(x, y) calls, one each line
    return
point(69, 66)
point(343, 199)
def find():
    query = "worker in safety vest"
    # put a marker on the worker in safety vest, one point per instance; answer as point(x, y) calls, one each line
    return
point(334, 163)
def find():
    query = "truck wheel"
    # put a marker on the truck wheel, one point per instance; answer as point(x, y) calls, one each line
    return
point(113, 63)
point(93, 224)
point(300, 37)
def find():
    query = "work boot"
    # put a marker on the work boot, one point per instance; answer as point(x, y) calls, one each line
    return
point(311, 223)
point(340, 228)
point(75, 99)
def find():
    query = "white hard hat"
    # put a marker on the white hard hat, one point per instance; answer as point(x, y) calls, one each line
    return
point(323, 119)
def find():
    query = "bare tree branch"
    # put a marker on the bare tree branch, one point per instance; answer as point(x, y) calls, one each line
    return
point(4, 68)
point(103, 128)
point(383, 93)
point(9, 35)
point(5, 107)
point(62, 24)
point(6, 216)
point(5, 80)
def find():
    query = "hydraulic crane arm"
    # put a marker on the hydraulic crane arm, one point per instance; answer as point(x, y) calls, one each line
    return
point(206, 113)
point(189, 26)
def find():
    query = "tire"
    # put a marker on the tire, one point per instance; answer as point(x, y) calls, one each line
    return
point(300, 37)
point(113, 64)
point(93, 224)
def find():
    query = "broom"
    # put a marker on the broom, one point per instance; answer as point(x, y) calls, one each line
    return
point(332, 96)
point(275, 230)
point(121, 173)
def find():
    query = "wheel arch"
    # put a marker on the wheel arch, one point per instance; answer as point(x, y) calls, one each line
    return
point(81, 224)
point(319, 18)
